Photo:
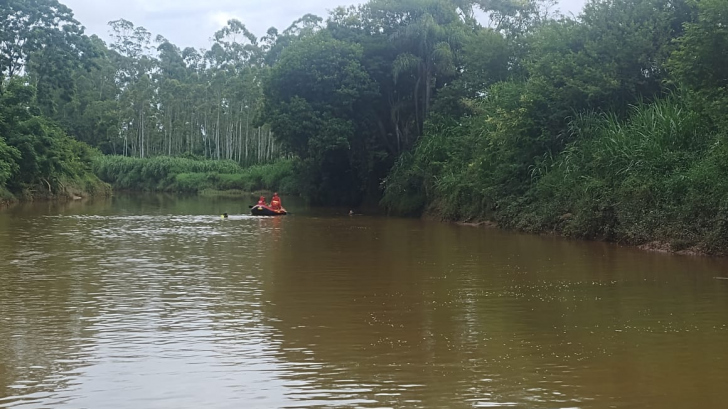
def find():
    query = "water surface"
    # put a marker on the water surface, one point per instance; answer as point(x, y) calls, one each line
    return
point(157, 302)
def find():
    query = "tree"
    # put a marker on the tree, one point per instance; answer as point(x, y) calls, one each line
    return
point(312, 98)
point(41, 38)
point(427, 35)
point(33, 150)
point(609, 59)
point(701, 58)
point(29, 26)
point(9, 158)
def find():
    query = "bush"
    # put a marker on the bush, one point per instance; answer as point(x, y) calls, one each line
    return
point(9, 157)
point(190, 175)
point(37, 158)
point(659, 174)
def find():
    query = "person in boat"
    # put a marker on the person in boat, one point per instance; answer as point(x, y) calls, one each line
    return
point(275, 202)
point(261, 201)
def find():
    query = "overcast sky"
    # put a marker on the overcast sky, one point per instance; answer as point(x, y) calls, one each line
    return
point(192, 22)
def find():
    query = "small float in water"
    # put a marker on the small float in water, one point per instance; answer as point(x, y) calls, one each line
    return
point(263, 210)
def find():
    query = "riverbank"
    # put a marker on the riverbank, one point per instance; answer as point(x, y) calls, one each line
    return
point(666, 247)
point(655, 179)
point(68, 190)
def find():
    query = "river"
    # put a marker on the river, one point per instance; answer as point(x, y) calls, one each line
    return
point(155, 301)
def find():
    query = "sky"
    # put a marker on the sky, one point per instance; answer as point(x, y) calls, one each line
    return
point(191, 23)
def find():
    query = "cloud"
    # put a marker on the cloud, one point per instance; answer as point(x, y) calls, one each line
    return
point(193, 22)
point(220, 18)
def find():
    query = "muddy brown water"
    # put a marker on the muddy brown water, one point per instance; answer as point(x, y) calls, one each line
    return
point(157, 302)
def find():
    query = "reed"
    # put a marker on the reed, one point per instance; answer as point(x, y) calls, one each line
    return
point(173, 174)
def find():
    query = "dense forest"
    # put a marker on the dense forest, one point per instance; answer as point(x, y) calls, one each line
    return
point(606, 125)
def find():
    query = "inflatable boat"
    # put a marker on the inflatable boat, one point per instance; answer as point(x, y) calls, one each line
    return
point(263, 210)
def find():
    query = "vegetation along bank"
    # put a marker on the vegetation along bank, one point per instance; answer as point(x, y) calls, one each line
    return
point(607, 125)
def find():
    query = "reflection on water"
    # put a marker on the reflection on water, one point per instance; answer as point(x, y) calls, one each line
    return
point(157, 302)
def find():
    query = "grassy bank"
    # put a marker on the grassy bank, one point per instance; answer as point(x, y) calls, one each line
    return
point(658, 176)
point(38, 160)
point(64, 188)
point(5, 197)
point(167, 174)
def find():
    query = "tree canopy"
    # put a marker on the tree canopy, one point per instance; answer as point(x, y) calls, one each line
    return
point(460, 108)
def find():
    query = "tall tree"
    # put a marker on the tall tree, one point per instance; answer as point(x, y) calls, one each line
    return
point(427, 35)
point(312, 100)
point(702, 57)
point(42, 39)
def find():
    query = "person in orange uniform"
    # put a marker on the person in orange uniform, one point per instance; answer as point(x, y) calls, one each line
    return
point(261, 201)
point(275, 202)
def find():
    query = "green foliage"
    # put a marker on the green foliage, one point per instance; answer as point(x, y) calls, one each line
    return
point(609, 59)
point(9, 158)
point(41, 39)
point(312, 97)
point(36, 156)
point(700, 61)
point(584, 137)
point(609, 125)
point(659, 175)
point(170, 174)
point(625, 180)
point(467, 166)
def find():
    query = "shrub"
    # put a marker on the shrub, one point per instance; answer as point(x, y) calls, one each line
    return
point(190, 175)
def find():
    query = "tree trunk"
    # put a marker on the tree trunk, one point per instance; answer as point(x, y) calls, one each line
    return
point(217, 134)
point(417, 107)
point(247, 135)
point(428, 93)
point(141, 144)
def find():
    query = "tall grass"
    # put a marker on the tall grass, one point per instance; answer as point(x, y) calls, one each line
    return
point(658, 137)
point(657, 176)
point(661, 174)
point(171, 174)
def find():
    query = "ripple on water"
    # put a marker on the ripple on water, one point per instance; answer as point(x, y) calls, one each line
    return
point(163, 311)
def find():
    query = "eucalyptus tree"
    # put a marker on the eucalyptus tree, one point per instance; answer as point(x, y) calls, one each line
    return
point(134, 66)
point(171, 79)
